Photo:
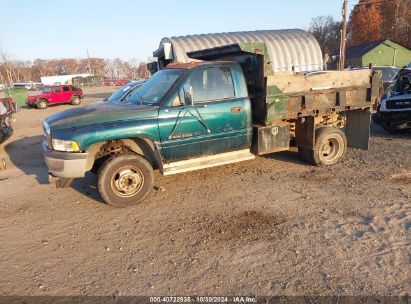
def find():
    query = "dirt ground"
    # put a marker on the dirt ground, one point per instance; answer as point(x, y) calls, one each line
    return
point(271, 226)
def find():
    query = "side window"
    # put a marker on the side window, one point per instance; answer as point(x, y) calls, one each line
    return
point(212, 84)
point(57, 90)
point(176, 101)
point(66, 88)
point(133, 97)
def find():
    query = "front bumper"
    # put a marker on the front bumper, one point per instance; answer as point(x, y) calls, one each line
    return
point(65, 164)
point(397, 120)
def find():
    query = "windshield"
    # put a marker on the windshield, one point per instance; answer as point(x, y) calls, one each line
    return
point(388, 73)
point(153, 90)
point(46, 90)
point(121, 92)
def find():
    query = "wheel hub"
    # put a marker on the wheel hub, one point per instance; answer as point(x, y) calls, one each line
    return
point(127, 182)
point(329, 149)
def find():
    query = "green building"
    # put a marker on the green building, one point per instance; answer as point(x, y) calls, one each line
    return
point(379, 53)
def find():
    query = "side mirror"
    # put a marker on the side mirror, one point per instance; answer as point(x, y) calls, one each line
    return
point(188, 95)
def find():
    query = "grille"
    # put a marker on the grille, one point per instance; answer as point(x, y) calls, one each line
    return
point(399, 104)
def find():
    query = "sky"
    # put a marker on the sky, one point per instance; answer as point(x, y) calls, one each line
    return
point(127, 29)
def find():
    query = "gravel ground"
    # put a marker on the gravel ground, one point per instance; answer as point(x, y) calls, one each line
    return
point(271, 226)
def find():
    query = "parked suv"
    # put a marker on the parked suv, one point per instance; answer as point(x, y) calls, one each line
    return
point(56, 94)
point(394, 112)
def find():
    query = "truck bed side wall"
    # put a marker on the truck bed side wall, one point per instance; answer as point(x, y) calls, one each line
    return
point(300, 99)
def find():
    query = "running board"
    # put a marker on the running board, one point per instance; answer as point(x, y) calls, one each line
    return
point(207, 162)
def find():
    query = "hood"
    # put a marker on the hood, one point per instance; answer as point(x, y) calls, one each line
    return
point(99, 112)
point(399, 97)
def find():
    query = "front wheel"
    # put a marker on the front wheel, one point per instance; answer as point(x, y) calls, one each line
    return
point(125, 180)
point(41, 104)
point(395, 130)
point(330, 147)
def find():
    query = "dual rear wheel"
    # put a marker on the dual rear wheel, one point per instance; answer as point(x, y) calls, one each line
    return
point(330, 147)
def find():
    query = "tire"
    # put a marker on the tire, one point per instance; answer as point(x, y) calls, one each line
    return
point(376, 118)
point(393, 130)
point(75, 101)
point(330, 147)
point(41, 104)
point(125, 180)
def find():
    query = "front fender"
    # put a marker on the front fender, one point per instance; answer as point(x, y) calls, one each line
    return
point(88, 135)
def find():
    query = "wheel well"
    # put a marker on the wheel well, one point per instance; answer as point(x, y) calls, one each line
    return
point(99, 152)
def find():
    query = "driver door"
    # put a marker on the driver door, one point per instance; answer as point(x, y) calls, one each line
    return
point(215, 123)
point(56, 95)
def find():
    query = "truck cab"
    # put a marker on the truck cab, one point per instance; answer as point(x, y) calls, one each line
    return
point(165, 124)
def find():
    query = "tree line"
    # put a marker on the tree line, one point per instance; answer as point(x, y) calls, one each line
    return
point(12, 71)
point(369, 21)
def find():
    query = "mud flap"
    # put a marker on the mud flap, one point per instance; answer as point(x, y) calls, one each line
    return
point(357, 129)
point(305, 133)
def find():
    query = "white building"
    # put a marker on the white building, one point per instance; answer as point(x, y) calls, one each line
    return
point(62, 79)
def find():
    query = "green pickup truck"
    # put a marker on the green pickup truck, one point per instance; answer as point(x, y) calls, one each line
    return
point(224, 107)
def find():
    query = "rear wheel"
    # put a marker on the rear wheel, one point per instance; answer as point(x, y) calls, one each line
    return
point(125, 180)
point(330, 147)
point(75, 100)
point(41, 104)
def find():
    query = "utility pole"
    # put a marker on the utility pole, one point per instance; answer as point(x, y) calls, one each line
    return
point(343, 36)
point(89, 65)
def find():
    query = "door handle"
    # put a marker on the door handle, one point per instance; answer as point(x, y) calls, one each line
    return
point(235, 109)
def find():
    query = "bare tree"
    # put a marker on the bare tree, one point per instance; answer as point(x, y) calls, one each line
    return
point(6, 68)
point(18, 70)
point(327, 32)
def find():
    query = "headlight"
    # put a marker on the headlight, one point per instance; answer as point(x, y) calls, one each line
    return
point(65, 145)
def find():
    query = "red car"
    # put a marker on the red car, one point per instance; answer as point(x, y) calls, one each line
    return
point(119, 83)
point(56, 94)
point(116, 83)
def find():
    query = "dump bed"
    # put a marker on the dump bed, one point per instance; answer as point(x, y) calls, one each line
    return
point(287, 95)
